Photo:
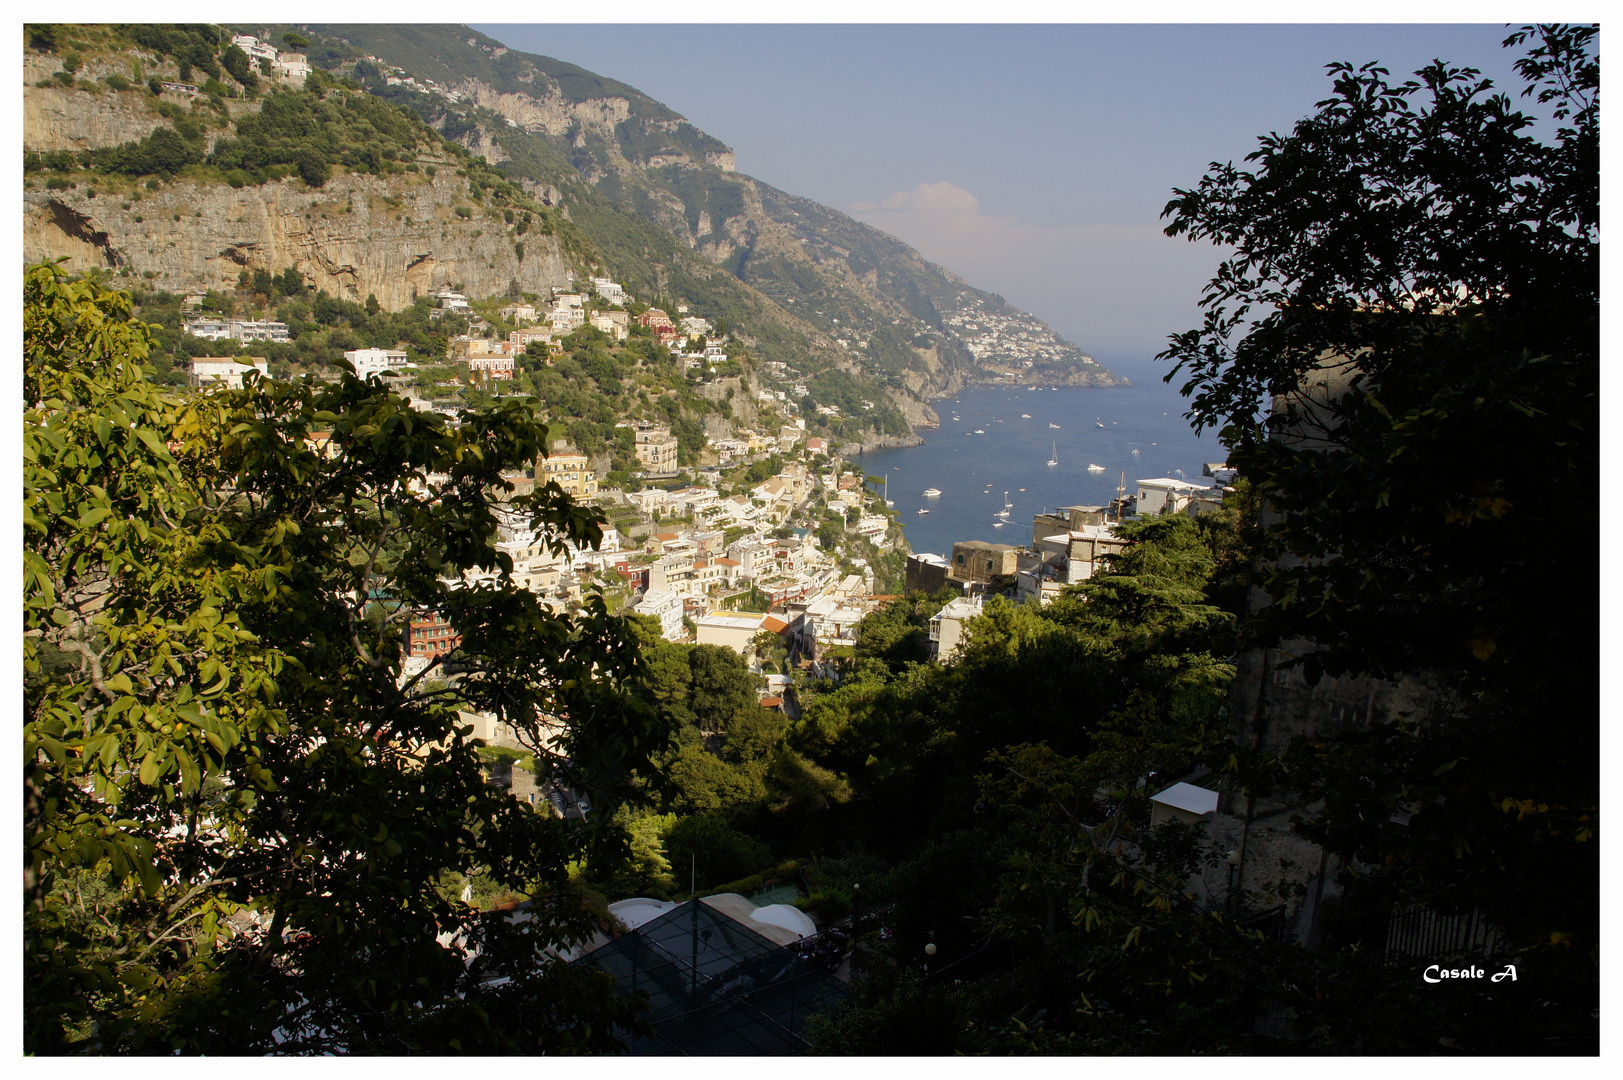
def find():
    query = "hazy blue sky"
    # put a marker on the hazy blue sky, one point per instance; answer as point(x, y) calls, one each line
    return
point(1032, 160)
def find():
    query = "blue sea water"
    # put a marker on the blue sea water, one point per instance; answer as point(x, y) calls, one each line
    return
point(974, 471)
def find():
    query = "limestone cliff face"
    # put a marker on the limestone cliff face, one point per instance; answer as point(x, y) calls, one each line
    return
point(396, 238)
point(917, 412)
point(551, 113)
point(74, 120)
point(58, 118)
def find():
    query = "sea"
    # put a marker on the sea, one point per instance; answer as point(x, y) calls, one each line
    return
point(994, 442)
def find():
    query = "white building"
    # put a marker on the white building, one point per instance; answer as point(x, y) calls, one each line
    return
point(256, 330)
point(293, 67)
point(754, 557)
point(369, 362)
point(217, 329)
point(947, 627)
point(873, 526)
point(212, 371)
point(733, 629)
point(667, 608)
point(256, 49)
point(566, 317)
point(609, 290)
point(1153, 495)
point(616, 328)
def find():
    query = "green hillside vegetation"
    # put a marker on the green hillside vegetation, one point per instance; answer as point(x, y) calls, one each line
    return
point(815, 283)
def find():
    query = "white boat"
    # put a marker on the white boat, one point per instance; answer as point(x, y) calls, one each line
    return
point(1025, 416)
point(930, 493)
point(1098, 425)
point(1054, 458)
point(1096, 468)
point(997, 524)
point(978, 431)
point(1053, 425)
point(922, 510)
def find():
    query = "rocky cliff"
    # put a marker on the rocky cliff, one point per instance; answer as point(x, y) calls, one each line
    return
point(848, 282)
point(396, 238)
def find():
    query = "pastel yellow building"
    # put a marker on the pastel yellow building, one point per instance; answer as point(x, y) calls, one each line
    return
point(570, 471)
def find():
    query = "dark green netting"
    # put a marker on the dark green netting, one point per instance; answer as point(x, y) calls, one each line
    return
point(714, 986)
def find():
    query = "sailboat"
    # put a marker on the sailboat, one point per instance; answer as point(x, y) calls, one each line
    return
point(1054, 458)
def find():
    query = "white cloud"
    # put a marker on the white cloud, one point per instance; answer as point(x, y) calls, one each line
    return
point(1092, 282)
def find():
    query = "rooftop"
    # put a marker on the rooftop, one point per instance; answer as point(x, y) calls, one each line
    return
point(718, 976)
point(1188, 797)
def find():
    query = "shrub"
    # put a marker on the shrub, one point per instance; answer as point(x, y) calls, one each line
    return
point(314, 169)
point(720, 852)
point(117, 82)
point(464, 212)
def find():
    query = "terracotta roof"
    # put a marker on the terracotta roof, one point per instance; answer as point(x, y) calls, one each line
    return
point(774, 624)
point(772, 702)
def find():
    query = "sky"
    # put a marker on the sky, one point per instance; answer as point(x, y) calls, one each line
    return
point(1032, 160)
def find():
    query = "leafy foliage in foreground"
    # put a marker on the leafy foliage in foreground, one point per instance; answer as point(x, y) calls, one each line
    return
point(1429, 269)
point(213, 725)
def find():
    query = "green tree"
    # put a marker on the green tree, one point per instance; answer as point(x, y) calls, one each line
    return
point(237, 813)
point(722, 687)
point(1428, 263)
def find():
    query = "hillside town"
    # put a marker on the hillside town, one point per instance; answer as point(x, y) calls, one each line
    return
point(769, 541)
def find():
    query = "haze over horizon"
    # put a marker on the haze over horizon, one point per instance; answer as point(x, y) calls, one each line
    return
point(1031, 160)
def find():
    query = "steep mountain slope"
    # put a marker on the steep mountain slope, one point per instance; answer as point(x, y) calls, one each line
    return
point(897, 316)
